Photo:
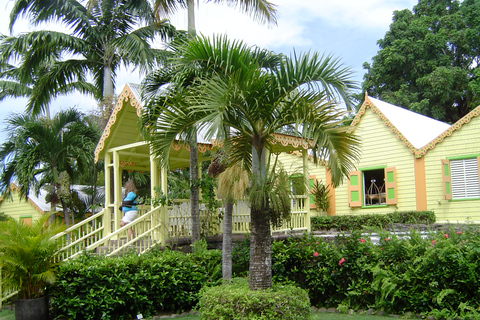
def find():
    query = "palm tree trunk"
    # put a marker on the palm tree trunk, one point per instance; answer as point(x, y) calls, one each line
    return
point(194, 204)
point(192, 32)
point(260, 268)
point(107, 84)
point(227, 241)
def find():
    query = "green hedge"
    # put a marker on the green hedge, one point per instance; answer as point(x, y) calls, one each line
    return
point(235, 301)
point(122, 287)
point(434, 275)
point(347, 223)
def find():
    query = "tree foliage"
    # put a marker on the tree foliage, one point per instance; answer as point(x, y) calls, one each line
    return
point(428, 60)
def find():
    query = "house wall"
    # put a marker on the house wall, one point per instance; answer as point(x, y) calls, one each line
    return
point(293, 164)
point(381, 147)
point(19, 208)
point(462, 142)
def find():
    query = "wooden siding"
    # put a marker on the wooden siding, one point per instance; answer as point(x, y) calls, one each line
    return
point(17, 208)
point(381, 147)
point(462, 142)
point(293, 164)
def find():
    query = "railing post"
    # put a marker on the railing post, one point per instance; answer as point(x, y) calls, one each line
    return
point(307, 200)
point(106, 222)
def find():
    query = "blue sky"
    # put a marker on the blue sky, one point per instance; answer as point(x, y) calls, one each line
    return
point(347, 29)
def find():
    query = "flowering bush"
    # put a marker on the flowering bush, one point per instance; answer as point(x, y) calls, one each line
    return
point(433, 274)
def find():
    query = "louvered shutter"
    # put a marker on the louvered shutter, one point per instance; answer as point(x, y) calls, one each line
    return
point(464, 178)
point(355, 189)
point(391, 186)
point(311, 184)
point(446, 180)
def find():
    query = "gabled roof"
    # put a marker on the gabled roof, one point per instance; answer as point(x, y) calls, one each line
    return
point(413, 129)
point(455, 127)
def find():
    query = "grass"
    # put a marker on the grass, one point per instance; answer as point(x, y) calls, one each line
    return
point(7, 315)
point(318, 316)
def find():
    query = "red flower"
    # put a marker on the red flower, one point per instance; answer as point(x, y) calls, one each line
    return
point(387, 239)
point(433, 242)
point(341, 261)
point(317, 242)
point(361, 240)
point(446, 235)
point(459, 232)
point(315, 254)
point(366, 253)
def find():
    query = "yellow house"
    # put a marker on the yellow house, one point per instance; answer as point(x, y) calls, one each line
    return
point(390, 175)
point(23, 209)
point(412, 162)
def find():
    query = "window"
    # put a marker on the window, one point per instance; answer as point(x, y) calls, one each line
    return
point(460, 178)
point(372, 186)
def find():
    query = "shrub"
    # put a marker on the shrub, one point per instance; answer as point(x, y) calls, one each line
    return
point(358, 222)
point(122, 287)
point(236, 301)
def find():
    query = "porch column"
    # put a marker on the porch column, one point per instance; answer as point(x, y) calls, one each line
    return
point(117, 184)
point(307, 188)
point(165, 208)
point(107, 217)
point(154, 179)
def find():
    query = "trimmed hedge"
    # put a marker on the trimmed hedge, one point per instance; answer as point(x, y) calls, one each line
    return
point(347, 223)
point(121, 287)
point(235, 301)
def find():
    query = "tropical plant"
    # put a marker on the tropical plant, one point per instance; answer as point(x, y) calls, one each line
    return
point(263, 11)
point(27, 256)
point(102, 37)
point(320, 195)
point(38, 150)
point(256, 93)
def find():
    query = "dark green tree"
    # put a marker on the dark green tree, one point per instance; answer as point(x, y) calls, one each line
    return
point(428, 60)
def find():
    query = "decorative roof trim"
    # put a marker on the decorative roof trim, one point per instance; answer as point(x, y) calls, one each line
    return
point(368, 104)
point(447, 133)
point(280, 139)
point(126, 95)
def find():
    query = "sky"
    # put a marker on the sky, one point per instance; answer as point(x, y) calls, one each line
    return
point(346, 29)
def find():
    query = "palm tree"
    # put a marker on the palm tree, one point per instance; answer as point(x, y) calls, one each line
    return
point(39, 150)
point(262, 11)
point(102, 37)
point(257, 93)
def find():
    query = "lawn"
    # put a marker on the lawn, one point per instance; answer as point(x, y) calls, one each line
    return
point(9, 315)
point(317, 316)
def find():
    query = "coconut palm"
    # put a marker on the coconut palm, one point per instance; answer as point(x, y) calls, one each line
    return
point(262, 11)
point(39, 150)
point(101, 39)
point(257, 93)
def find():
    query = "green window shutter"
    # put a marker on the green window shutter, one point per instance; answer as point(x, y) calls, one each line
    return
point(355, 189)
point(391, 186)
point(311, 183)
point(446, 180)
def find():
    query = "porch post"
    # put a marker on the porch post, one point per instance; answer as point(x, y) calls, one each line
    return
point(307, 185)
point(154, 179)
point(107, 217)
point(117, 184)
point(164, 209)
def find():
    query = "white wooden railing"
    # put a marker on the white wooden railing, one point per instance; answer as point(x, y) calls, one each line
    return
point(95, 235)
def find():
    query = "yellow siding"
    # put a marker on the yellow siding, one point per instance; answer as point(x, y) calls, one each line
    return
point(293, 164)
point(16, 207)
point(381, 147)
point(462, 142)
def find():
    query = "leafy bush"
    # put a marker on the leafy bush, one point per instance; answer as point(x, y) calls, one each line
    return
point(236, 301)
point(347, 223)
point(432, 274)
point(122, 287)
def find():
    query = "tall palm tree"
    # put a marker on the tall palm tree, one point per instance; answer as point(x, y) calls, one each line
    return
point(257, 93)
point(39, 150)
point(102, 37)
point(261, 10)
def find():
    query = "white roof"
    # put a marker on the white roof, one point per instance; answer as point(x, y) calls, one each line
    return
point(418, 129)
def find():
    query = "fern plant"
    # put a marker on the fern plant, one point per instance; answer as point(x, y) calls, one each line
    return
point(27, 256)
